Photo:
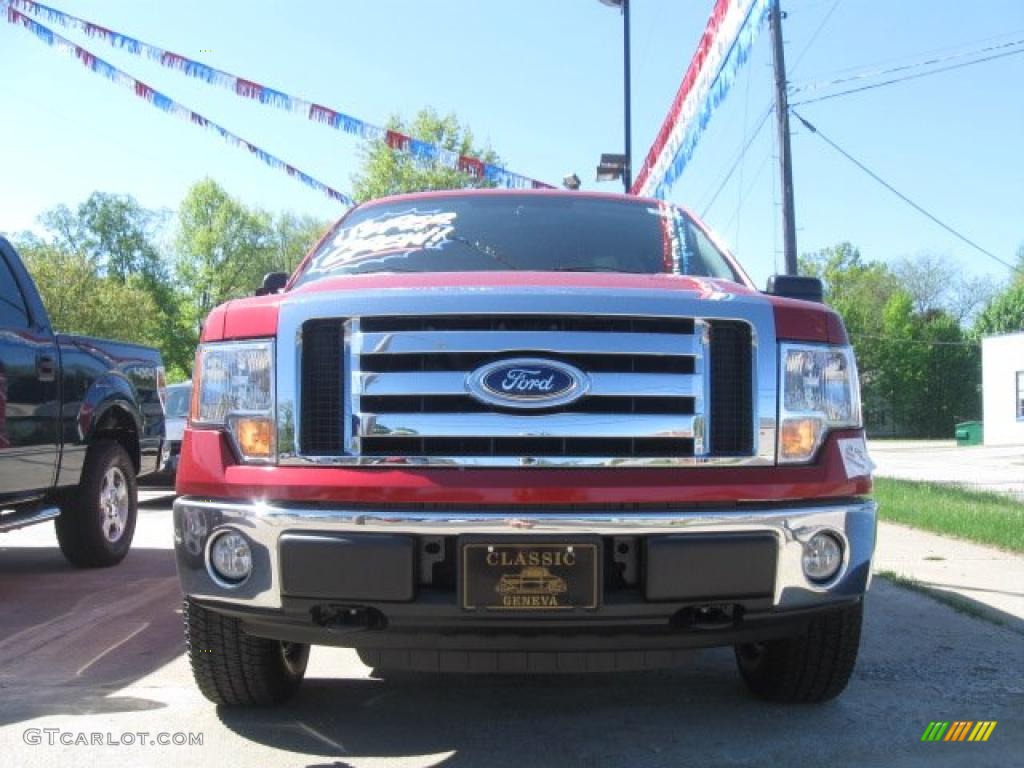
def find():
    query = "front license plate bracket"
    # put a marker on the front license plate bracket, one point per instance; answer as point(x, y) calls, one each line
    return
point(498, 574)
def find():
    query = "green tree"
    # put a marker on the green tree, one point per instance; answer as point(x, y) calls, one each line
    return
point(386, 172)
point(102, 270)
point(951, 387)
point(935, 282)
point(859, 291)
point(929, 371)
point(293, 236)
point(224, 248)
point(115, 239)
point(116, 232)
point(80, 300)
point(1004, 313)
point(919, 373)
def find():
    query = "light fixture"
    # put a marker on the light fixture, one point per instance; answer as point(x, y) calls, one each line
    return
point(572, 181)
point(611, 167)
point(823, 555)
point(819, 392)
point(625, 170)
point(230, 558)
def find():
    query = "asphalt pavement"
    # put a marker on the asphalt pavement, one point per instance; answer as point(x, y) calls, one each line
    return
point(97, 656)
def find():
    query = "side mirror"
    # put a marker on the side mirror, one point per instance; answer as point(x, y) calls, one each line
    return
point(796, 287)
point(273, 282)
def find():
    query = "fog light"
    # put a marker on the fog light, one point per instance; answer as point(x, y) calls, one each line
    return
point(823, 555)
point(230, 557)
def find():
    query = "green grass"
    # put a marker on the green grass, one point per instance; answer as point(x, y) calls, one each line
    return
point(987, 518)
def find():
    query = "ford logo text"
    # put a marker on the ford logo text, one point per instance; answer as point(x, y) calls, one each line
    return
point(527, 383)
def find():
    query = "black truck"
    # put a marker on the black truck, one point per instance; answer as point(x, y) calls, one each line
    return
point(80, 420)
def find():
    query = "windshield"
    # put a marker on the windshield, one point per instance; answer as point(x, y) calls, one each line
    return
point(517, 232)
point(177, 401)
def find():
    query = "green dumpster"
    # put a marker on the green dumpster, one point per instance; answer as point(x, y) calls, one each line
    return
point(969, 433)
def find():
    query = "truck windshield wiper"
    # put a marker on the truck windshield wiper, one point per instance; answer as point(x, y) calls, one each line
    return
point(591, 268)
point(486, 250)
point(395, 270)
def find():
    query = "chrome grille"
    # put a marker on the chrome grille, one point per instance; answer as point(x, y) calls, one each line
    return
point(401, 386)
point(713, 400)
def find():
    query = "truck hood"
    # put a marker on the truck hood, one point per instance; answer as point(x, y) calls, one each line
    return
point(257, 317)
point(480, 279)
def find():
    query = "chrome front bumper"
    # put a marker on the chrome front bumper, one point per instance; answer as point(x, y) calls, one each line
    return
point(197, 520)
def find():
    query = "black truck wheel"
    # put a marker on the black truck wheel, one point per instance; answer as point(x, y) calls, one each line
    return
point(811, 667)
point(97, 519)
point(236, 669)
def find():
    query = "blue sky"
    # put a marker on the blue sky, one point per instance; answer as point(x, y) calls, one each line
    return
point(540, 80)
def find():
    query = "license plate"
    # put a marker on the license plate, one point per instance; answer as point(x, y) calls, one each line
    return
point(529, 577)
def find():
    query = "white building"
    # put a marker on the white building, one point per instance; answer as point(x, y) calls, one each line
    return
point(1002, 385)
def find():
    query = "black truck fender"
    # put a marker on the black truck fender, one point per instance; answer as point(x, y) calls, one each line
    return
point(108, 411)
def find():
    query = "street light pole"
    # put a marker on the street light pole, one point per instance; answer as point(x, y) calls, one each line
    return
point(626, 167)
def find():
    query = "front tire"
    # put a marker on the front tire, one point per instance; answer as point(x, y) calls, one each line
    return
point(236, 669)
point(812, 667)
point(97, 519)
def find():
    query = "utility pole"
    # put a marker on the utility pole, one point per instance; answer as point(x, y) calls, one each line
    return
point(785, 154)
point(627, 172)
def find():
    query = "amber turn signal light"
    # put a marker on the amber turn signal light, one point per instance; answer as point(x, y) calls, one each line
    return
point(254, 436)
point(799, 438)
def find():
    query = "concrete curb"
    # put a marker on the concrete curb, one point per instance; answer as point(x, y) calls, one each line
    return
point(989, 581)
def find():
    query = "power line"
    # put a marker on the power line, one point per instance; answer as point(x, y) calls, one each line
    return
point(736, 162)
point(931, 60)
point(656, 15)
point(814, 36)
point(891, 340)
point(900, 195)
point(746, 193)
point(774, 150)
point(739, 181)
point(959, 50)
point(915, 76)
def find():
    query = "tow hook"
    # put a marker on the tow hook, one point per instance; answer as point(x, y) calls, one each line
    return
point(708, 617)
point(345, 619)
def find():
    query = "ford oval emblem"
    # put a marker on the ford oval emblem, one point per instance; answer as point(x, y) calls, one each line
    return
point(527, 382)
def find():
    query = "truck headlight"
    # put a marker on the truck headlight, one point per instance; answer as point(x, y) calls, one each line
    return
point(819, 391)
point(233, 390)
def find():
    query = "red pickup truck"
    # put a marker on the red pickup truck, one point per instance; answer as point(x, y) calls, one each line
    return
point(523, 432)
